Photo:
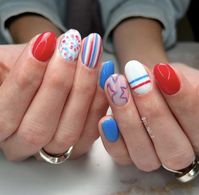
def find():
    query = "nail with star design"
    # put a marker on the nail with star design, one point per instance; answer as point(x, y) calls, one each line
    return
point(138, 77)
point(117, 88)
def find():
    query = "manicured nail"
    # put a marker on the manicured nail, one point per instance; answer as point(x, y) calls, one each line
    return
point(166, 78)
point(138, 77)
point(117, 89)
point(106, 72)
point(92, 49)
point(70, 45)
point(110, 130)
point(44, 46)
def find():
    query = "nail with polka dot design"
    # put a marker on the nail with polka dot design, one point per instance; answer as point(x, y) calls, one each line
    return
point(70, 45)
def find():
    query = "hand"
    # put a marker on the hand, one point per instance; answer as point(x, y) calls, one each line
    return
point(150, 128)
point(52, 102)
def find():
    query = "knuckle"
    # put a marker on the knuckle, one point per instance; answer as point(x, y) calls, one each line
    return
point(6, 128)
point(65, 140)
point(34, 135)
point(179, 161)
point(26, 80)
point(57, 81)
point(148, 166)
point(87, 90)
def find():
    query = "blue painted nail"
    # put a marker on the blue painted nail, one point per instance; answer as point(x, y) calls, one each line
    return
point(110, 130)
point(106, 72)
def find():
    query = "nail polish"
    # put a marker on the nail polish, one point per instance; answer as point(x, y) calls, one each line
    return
point(166, 78)
point(70, 45)
point(117, 89)
point(106, 72)
point(110, 130)
point(138, 77)
point(44, 46)
point(92, 49)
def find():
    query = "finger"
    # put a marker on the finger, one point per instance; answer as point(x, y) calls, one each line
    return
point(171, 144)
point(8, 57)
point(10, 53)
point(182, 98)
point(97, 110)
point(19, 88)
point(84, 86)
point(41, 119)
point(112, 140)
point(138, 143)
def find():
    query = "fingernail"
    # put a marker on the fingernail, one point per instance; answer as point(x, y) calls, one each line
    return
point(110, 130)
point(106, 72)
point(92, 49)
point(138, 77)
point(70, 45)
point(117, 89)
point(44, 46)
point(166, 78)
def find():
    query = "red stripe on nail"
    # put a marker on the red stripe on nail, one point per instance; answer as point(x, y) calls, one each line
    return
point(141, 84)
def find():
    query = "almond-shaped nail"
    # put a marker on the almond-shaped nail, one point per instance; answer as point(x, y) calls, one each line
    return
point(92, 49)
point(117, 89)
point(110, 130)
point(166, 79)
point(138, 77)
point(70, 45)
point(44, 46)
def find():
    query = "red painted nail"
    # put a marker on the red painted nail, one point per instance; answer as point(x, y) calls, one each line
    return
point(44, 46)
point(166, 78)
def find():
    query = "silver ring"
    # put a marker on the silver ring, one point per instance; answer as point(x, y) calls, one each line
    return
point(187, 174)
point(55, 159)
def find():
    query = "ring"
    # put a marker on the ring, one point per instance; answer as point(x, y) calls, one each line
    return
point(55, 159)
point(187, 174)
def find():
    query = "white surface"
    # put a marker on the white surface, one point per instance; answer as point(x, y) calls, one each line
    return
point(94, 174)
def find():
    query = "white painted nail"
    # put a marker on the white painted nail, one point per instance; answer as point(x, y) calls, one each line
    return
point(70, 45)
point(138, 77)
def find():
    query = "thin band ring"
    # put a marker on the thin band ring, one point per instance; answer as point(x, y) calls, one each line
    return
point(187, 174)
point(55, 159)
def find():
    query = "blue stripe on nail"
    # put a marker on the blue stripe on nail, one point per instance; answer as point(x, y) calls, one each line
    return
point(110, 130)
point(139, 78)
point(84, 50)
point(106, 72)
point(93, 55)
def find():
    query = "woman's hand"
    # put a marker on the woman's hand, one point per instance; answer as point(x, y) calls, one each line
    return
point(150, 128)
point(52, 102)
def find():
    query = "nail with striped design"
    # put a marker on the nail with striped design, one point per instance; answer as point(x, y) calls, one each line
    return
point(92, 48)
point(138, 77)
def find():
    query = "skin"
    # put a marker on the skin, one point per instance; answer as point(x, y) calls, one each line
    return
point(131, 41)
point(35, 128)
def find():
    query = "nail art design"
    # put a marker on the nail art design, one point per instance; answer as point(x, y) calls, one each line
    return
point(138, 77)
point(118, 89)
point(70, 45)
point(166, 78)
point(44, 46)
point(110, 130)
point(92, 49)
point(106, 72)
